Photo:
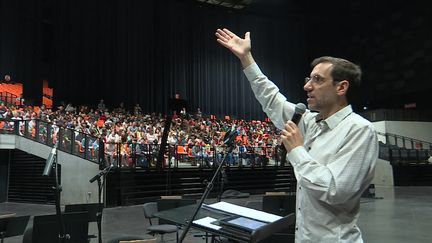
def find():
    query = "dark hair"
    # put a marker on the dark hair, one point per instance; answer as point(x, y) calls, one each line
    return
point(342, 70)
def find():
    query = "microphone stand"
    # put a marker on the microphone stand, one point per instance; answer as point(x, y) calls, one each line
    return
point(99, 213)
point(207, 191)
point(222, 180)
point(100, 186)
point(63, 236)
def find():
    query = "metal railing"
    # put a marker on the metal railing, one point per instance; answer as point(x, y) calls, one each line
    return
point(404, 150)
point(70, 141)
point(10, 99)
point(133, 154)
point(405, 142)
point(145, 155)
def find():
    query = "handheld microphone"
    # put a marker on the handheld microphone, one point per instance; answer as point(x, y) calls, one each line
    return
point(100, 174)
point(299, 110)
point(49, 162)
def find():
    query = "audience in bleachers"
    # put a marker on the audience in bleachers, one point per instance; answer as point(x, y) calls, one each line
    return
point(198, 135)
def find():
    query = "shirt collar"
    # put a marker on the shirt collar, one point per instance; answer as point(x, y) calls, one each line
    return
point(337, 117)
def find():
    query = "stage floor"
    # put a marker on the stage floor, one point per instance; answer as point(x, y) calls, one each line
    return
point(400, 214)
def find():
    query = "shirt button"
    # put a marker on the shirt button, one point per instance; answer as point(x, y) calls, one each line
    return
point(299, 209)
point(296, 228)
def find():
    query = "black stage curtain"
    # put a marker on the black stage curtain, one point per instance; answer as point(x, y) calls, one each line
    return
point(142, 52)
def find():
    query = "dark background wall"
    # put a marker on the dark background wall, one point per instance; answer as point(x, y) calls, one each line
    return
point(144, 51)
point(4, 173)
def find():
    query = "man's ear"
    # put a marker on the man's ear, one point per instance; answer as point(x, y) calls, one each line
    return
point(342, 87)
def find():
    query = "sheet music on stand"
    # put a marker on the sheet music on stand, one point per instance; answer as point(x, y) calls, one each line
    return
point(244, 211)
point(245, 224)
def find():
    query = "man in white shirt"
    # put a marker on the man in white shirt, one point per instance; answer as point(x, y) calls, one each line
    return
point(333, 152)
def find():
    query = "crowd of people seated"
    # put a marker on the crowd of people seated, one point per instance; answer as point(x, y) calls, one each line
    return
point(133, 138)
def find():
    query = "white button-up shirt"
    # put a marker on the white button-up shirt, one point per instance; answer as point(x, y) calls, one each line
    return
point(333, 168)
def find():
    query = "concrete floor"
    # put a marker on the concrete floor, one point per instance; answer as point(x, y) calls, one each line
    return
point(400, 214)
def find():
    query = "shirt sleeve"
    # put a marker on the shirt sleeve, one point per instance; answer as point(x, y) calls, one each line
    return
point(344, 176)
point(273, 103)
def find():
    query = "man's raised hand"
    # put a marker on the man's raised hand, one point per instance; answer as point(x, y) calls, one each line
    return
point(240, 47)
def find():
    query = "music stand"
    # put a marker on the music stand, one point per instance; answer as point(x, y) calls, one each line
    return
point(46, 228)
point(13, 226)
point(272, 228)
point(282, 205)
point(91, 208)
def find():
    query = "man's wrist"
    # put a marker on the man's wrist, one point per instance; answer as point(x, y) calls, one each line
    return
point(247, 60)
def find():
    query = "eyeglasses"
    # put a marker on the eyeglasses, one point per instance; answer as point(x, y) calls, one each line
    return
point(316, 79)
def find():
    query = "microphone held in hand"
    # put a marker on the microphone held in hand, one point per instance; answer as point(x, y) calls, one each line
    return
point(299, 110)
point(100, 174)
point(49, 162)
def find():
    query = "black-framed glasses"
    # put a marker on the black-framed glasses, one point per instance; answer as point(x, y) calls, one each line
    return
point(316, 79)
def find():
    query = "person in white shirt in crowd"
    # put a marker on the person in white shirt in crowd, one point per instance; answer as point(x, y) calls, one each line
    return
point(69, 108)
point(151, 135)
point(3, 110)
point(333, 151)
point(110, 147)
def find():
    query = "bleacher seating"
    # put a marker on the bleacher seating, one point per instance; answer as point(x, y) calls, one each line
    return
point(402, 155)
point(409, 162)
point(16, 90)
point(11, 91)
